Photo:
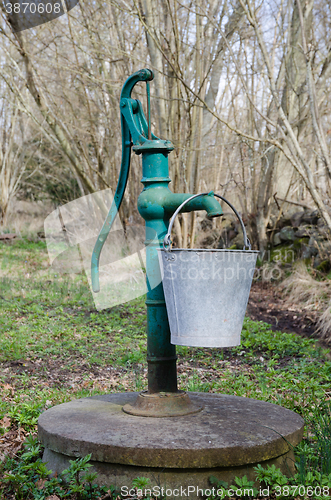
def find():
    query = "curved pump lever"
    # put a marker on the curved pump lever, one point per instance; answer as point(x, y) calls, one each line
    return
point(134, 132)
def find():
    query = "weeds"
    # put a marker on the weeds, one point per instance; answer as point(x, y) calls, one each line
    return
point(54, 347)
point(320, 425)
point(27, 477)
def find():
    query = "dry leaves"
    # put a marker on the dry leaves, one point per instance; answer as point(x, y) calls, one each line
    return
point(40, 483)
point(11, 442)
point(5, 423)
point(8, 388)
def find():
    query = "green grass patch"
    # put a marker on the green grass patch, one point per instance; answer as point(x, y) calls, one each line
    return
point(55, 346)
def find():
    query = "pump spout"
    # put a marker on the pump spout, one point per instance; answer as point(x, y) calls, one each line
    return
point(208, 203)
point(158, 202)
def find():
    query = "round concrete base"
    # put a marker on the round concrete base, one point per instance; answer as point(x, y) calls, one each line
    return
point(227, 438)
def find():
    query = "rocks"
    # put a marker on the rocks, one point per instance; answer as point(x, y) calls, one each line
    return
point(238, 241)
point(209, 237)
point(210, 240)
point(286, 234)
point(323, 231)
point(322, 265)
point(310, 217)
point(206, 224)
point(296, 218)
point(224, 240)
point(325, 247)
point(229, 234)
point(303, 232)
point(232, 234)
point(306, 233)
point(308, 251)
point(276, 239)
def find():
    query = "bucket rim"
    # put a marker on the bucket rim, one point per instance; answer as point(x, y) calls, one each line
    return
point(232, 250)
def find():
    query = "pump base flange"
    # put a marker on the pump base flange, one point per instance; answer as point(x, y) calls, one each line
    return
point(162, 404)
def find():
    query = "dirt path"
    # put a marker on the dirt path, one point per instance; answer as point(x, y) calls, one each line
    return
point(266, 304)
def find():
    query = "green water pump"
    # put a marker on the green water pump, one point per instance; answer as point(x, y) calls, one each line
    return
point(156, 204)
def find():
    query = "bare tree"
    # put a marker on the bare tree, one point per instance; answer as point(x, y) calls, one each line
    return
point(17, 146)
point(242, 90)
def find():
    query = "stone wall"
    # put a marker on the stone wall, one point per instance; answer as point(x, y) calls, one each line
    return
point(302, 232)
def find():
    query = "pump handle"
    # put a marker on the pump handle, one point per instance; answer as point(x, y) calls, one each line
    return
point(144, 75)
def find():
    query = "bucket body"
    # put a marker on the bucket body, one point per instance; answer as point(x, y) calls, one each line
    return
point(206, 294)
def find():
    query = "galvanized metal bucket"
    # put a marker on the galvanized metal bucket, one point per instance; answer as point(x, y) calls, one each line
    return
point(206, 291)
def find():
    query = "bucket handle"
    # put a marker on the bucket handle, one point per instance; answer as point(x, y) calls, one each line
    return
point(167, 239)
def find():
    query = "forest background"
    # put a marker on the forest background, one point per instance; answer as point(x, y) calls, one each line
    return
point(241, 88)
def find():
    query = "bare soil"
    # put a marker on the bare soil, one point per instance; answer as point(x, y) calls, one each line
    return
point(267, 304)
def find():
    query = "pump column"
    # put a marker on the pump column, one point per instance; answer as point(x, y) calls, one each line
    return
point(161, 354)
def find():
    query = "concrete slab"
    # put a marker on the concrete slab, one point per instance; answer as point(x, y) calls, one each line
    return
point(231, 434)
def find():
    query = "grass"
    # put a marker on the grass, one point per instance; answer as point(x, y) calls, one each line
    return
point(54, 347)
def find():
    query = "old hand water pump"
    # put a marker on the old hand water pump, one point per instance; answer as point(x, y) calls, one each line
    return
point(156, 204)
point(201, 300)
